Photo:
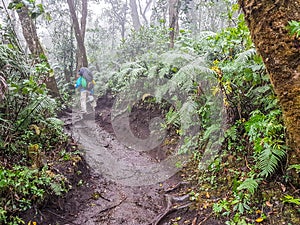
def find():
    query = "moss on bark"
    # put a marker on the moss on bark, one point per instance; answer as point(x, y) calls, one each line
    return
point(267, 21)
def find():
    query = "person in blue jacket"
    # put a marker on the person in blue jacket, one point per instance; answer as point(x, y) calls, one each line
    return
point(83, 83)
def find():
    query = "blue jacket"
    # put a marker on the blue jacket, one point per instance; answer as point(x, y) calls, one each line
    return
point(78, 84)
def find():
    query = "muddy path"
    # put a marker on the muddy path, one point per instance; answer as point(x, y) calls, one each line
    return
point(127, 186)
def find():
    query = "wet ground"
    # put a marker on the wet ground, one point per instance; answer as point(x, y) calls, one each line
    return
point(129, 187)
point(116, 184)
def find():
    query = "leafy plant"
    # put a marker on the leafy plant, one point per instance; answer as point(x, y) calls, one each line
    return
point(20, 186)
point(294, 28)
point(266, 131)
point(296, 167)
point(250, 185)
point(222, 205)
point(291, 199)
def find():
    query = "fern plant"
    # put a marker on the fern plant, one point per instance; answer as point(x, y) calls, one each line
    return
point(177, 76)
point(249, 184)
point(267, 134)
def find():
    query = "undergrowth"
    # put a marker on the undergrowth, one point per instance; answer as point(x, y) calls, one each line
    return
point(241, 141)
point(31, 137)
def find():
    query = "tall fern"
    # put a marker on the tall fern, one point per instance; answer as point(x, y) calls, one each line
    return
point(266, 133)
point(270, 158)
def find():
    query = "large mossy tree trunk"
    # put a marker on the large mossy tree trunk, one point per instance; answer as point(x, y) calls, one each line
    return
point(35, 47)
point(267, 21)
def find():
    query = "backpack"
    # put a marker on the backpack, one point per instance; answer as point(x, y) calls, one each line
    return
point(83, 82)
point(87, 80)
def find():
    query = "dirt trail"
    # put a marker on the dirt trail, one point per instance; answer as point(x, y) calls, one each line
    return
point(127, 187)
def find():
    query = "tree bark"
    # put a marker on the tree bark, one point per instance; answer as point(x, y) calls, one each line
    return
point(119, 13)
point(82, 57)
point(135, 15)
point(35, 47)
point(83, 18)
point(145, 10)
point(267, 21)
point(174, 6)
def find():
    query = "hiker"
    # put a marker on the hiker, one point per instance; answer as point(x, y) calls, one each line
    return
point(86, 84)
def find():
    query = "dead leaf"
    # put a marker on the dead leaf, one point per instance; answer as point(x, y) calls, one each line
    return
point(207, 195)
point(145, 96)
point(194, 221)
point(50, 173)
point(259, 220)
point(269, 204)
point(32, 223)
point(283, 188)
point(206, 205)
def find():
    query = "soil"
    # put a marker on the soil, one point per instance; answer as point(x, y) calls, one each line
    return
point(114, 185)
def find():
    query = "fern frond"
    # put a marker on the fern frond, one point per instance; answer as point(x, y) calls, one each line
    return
point(205, 34)
point(177, 59)
point(36, 108)
point(269, 159)
point(250, 184)
point(188, 115)
point(195, 71)
point(245, 56)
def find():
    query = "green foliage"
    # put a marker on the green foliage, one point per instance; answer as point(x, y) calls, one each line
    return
point(231, 41)
point(221, 206)
point(237, 220)
point(153, 38)
point(20, 187)
point(296, 167)
point(243, 80)
point(249, 184)
point(220, 72)
point(267, 134)
point(26, 104)
point(291, 199)
point(28, 131)
point(255, 126)
point(186, 72)
point(294, 28)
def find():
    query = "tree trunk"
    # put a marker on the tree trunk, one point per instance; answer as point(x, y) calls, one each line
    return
point(145, 10)
point(83, 18)
point(35, 47)
point(82, 57)
point(174, 6)
point(119, 14)
point(267, 21)
point(135, 15)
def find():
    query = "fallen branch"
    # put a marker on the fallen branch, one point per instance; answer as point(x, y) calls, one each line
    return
point(205, 219)
point(176, 186)
point(61, 217)
point(113, 206)
point(168, 211)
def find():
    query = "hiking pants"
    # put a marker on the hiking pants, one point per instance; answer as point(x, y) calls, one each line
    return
point(83, 96)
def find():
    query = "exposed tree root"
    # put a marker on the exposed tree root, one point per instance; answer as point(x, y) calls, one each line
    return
point(171, 208)
point(113, 206)
point(62, 218)
point(205, 219)
point(176, 187)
